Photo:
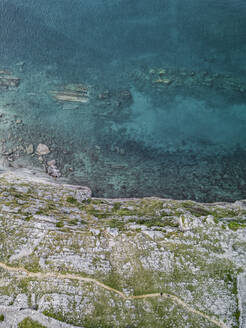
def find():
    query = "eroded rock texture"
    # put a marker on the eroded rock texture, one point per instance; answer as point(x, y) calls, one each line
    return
point(67, 259)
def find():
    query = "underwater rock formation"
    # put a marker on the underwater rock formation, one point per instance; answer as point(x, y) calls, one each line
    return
point(169, 79)
point(42, 149)
point(72, 92)
point(8, 80)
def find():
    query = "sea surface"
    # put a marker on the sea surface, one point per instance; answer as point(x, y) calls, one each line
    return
point(165, 81)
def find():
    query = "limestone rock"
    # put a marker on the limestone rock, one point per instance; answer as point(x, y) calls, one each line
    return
point(72, 262)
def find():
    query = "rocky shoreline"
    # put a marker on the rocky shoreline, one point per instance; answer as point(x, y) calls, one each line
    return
point(68, 259)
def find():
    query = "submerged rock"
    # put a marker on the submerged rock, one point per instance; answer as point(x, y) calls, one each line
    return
point(70, 106)
point(52, 162)
point(30, 149)
point(42, 149)
point(125, 96)
point(8, 80)
point(72, 92)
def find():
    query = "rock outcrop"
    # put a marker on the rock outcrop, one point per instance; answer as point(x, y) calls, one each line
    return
point(68, 259)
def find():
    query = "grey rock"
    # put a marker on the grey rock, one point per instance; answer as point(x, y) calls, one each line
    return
point(53, 171)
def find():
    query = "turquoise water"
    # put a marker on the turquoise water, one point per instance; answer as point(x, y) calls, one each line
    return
point(166, 108)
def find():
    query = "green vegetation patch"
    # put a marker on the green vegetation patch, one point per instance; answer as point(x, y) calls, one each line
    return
point(23, 285)
point(98, 214)
point(232, 278)
point(29, 323)
point(72, 200)
point(116, 206)
point(56, 315)
point(59, 224)
point(233, 225)
point(116, 223)
point(42, 211)
point(146, 207)
point(73, 222)
point(1, 317)
point(63, 317)
point(220, 213)
point(126, 212)
point(217, 212)
point(194, 209)
point(20, 195)
point(33, 265)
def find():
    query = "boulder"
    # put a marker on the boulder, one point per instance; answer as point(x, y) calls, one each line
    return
point(53, 171)
point(42, 150)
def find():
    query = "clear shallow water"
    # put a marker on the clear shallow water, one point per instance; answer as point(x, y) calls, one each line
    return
point(183, 138)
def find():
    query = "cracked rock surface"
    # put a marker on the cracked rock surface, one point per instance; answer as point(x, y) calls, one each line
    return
point(68, 259)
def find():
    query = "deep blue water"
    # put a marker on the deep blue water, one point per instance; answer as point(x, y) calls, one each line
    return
point(181, 132)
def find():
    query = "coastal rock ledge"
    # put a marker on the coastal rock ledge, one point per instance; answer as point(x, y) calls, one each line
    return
point(70, 260)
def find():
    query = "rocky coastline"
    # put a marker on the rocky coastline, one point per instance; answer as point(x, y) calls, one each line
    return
point(71, 260)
